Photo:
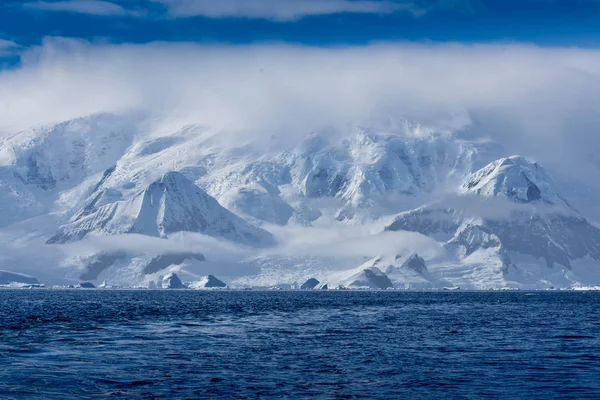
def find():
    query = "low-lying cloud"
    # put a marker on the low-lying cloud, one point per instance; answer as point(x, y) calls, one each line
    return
point(540, 102)
point(8, 47)
point(493, 208)
point(350, 242)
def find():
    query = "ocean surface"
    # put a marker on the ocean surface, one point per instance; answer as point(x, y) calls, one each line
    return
point(60, 344)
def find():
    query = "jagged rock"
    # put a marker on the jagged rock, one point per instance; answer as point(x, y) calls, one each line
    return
point(214, 282)
point(310, 284)
point(207, 282)
point(166, 260)
point(409, 272)
point(100, 263)
point(172, 281)
point(415, 263)
point(371, 277)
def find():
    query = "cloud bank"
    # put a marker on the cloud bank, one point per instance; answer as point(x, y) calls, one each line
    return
point(540, 102)
point(8, 47)
point(278, 10)
point(91, 7)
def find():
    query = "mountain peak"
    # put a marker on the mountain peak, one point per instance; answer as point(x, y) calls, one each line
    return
point(517, 179)
point(168, 205)
point(415, 263)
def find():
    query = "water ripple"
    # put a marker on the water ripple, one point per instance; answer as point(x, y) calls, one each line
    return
point(186, 344)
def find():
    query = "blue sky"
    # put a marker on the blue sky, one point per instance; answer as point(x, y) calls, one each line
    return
point(313, 22)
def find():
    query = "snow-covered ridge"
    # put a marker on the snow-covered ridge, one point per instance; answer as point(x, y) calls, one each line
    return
point(37, 164)
point(493, 221)
point(557, 238)
point(517, 179)
point(170, 204)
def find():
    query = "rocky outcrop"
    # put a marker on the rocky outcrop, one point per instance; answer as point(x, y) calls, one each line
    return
point(310, 284)
point(166, 260)
point(368, 278)
point(208, 282)
point(172, 281)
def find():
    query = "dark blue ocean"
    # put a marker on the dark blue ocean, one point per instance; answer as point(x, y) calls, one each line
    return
point(326, 345)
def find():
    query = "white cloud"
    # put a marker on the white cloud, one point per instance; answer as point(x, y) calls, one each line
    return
point(539, 102)
point(279, 10)
point(350, 241)
point(92, 7)
point(8, 47)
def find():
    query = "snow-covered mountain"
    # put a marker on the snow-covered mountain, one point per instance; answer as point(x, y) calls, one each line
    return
point(370, 170)
point(516, 179)
point(511, 209)
point(38, 164)
point(485, 220)
point(168, 205)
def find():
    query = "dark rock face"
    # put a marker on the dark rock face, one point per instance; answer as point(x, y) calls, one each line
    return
point(416, 264)
point(107, 173)
point(557, 239)
point(533, 192)
point(379, 279)
point(172, 281)
point(86, 285)
point(163, 261)
point(371, 277)
point(102, 262)
point(310, 284)
point(10, 277)
point(213, 282)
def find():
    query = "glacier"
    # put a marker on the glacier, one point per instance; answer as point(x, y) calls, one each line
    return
point(124, 199)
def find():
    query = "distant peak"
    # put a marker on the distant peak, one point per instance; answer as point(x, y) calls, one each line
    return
point(173, 177)
point(516, 178)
